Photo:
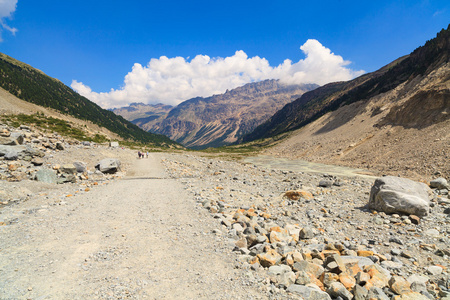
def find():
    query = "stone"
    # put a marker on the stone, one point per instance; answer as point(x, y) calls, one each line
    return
point(59, 146)
point(287, 278)
point(307, 292)
point(432, 233)
point(439, 183)
point(108, 165)
point(362, 278)
point(360, 293)
point(392, 265)
point(337, 289)
point(46, 175)
point(66, 178)
point(414, 219)
point(434, 270)
point(339, 264)
point(417, 278)
point(377, 293)
point(329, 278)
point(68, 169)
point(360, 261)
point(412, 296)
point(312, 268)
point(298, 194)
point(306, 233)
point(279, 269)
point(15, 138)
point(379, 277)
point(325, 183)
point(392, 194)
point(399, 285)
point(238, 227)
point(418, 287)
point(37, 161)
point(364, 253)
point(114, 144)
point(347, 280)
point(270, 258)
point(80, 166)
point(11, 155)
point(241, 243)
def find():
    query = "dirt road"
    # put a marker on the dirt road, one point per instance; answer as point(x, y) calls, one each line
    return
point(139, 237)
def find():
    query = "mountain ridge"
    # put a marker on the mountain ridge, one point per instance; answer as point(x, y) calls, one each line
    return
point(221, 119)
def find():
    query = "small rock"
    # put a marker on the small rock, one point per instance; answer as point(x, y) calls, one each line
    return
point(270, 258)
point(325, 183)
point(307, 292)
point(434, 270)
point(439, 183)
point(399, 285)
point(337, 289)
point(306, 233)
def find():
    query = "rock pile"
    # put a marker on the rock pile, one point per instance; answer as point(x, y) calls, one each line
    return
point(311, 238)
point(29, 154)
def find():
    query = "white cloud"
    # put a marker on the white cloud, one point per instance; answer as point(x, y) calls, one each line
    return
point(7, 8)
point(173, 80)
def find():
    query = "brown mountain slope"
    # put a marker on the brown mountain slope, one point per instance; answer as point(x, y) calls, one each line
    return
point(143, 115)
point(403, 131)
point(221, 119)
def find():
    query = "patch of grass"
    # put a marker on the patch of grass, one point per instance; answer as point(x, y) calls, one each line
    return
point(50, 124)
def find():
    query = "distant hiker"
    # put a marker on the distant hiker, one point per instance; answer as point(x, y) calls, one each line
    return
point(147, 154)
point(139, 154)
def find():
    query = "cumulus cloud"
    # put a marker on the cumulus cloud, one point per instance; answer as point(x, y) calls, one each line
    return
point(7, 8)
point(173, 80)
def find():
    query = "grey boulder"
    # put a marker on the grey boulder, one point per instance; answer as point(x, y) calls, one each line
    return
point(80, 166)
point(11, 155)
point(46, 175)
point(108, 165)
point(392, 194)
point(15, 138)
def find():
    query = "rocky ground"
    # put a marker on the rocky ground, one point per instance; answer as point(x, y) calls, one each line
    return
point(320, 238)
point(186, 226)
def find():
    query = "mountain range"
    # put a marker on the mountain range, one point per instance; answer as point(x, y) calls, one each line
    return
point(217, 120)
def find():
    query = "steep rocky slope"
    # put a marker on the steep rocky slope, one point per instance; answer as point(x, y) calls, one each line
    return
point(396, 122)
point(221, 119)
point(143, 115)
point(313, 105)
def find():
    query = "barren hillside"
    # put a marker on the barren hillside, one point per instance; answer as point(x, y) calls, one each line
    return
point(404, 131)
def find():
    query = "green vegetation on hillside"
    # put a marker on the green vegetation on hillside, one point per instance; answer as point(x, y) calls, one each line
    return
point(51, 124)
point(32, 85)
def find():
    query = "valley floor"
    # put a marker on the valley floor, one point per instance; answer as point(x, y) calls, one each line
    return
point(167, 230)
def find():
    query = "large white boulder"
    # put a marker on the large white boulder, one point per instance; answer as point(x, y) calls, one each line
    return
point(399, 195)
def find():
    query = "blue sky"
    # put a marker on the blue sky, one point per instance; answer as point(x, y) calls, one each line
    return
point(96, 46)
